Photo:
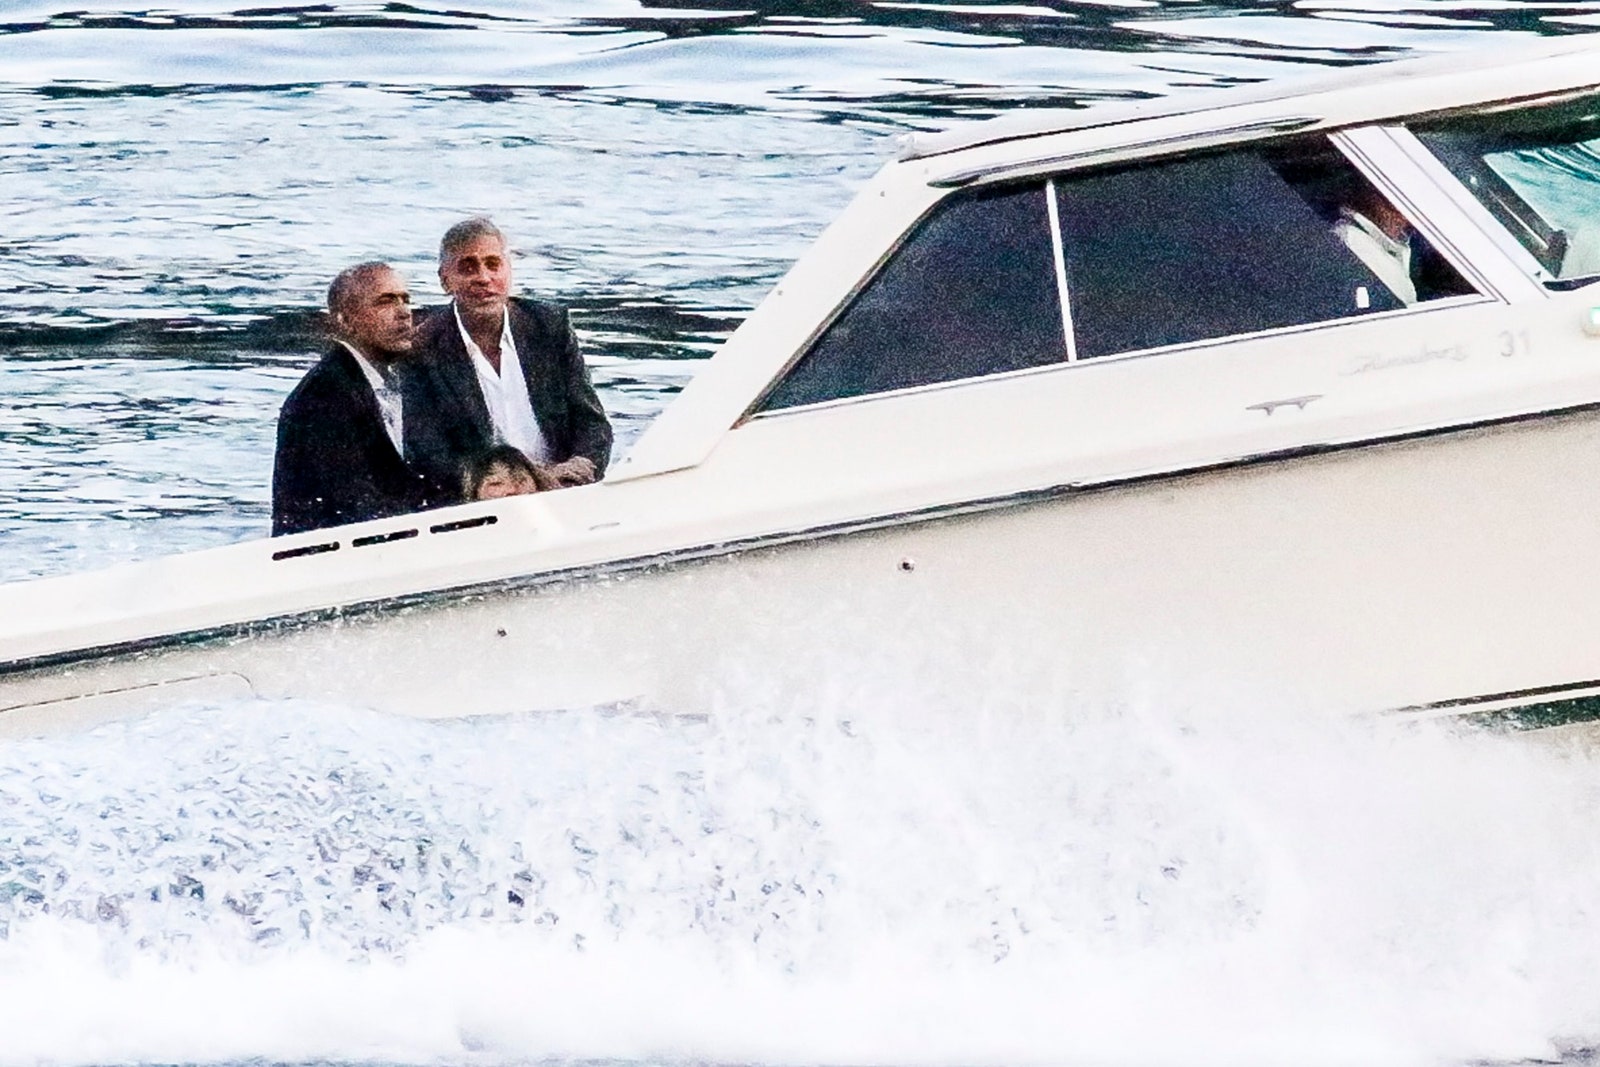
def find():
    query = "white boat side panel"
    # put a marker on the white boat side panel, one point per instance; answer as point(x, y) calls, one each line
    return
point(1451, 566)
point(1088, 423)
point(61, 713)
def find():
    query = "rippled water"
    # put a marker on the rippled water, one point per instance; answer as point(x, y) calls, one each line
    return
point(922, 867)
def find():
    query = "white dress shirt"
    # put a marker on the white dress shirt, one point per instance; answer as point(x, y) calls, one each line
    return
point(1389, 259)
point(506, 395)
point(387, 392)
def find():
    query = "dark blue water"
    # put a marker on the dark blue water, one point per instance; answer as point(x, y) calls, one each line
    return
point(885, 870)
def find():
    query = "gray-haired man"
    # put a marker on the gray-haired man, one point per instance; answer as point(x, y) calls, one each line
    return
point(507, 370)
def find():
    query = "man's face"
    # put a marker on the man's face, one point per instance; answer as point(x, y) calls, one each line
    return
point(478, 276)
point(377, 317)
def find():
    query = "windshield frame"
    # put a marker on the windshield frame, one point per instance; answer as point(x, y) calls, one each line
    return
point(1466, 145)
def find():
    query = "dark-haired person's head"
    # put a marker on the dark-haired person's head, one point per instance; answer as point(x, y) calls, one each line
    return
point(504, 471)
point(369, 308)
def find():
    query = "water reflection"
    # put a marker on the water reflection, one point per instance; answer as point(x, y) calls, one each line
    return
point(1070, 24)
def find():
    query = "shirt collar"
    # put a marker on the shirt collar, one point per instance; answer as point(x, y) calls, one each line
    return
point(507, 345)
point(375, 377)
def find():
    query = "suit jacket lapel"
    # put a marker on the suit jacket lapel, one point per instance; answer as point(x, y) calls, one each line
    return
point(529, 338)
point(360, 393)
point(366, 404)
point(460, 378)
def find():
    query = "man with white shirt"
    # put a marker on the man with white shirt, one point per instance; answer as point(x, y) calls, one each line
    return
point(344, 433)
point(1381, 238)
point(507, 370)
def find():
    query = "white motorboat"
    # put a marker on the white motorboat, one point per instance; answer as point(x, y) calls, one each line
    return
point(1295, 386)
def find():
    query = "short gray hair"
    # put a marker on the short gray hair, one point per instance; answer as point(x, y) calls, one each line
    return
point(346, 282)
point(464, 233)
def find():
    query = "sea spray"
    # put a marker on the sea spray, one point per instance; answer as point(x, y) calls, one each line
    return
point(896, 868)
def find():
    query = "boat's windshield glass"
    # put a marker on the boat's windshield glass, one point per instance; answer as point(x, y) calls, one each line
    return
point(1537, 170)
point(971, 292)
point(1234, 243)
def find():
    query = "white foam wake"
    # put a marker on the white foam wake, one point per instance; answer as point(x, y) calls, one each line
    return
point(894, 870)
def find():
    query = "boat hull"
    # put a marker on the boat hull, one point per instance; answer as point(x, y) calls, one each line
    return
point(1457, 571)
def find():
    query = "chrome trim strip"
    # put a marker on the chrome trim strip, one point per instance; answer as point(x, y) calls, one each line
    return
point(719, 549)
point(1468, 205)
point(1497, 701)
point(1060, 253)
point(1536, 708)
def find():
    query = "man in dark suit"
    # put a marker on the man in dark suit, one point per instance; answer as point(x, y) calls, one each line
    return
point(506, 370)
point(345, 433)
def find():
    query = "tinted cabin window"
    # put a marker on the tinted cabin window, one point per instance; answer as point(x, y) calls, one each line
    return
point(1206, 247)
point(971, 292)
point(1168, 253)
point(1537, 169)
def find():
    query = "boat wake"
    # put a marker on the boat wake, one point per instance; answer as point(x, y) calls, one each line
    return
point(892, 870)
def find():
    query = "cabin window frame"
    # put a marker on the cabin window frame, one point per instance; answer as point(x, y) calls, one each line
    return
point(1497, 228)
point(1421, 209)
point(1500, 262)
point(1037, 184)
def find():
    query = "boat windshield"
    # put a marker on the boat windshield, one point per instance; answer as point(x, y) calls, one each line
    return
point(1537, 169)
